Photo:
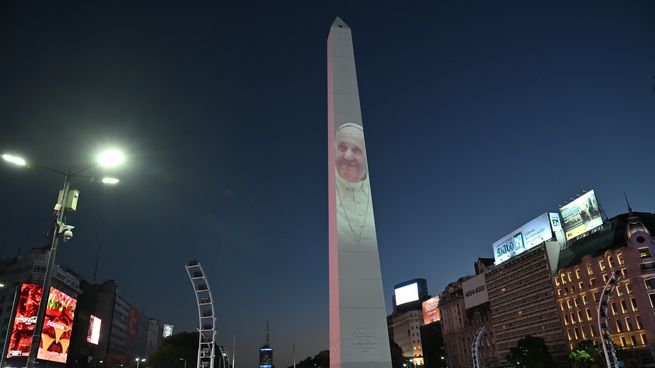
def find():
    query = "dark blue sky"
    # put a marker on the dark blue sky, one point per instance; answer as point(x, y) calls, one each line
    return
point(479, 117)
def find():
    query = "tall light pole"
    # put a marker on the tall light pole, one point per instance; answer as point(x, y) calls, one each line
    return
point(603, 325)
point(139, 361)
point(109, 158)
point(184, 362)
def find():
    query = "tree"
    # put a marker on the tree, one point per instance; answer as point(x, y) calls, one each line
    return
point(181, 345)
point(531, 352)
point(320, 360)
point(586, 355)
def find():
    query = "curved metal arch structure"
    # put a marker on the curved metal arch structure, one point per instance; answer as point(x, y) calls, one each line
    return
point(603, 323)
point(475, 348)
point(206, 317)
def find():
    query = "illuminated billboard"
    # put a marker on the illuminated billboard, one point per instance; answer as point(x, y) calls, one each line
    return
point(93, 334)
point(168, 330)
point(581, 215)
point(431, 310)
point(24, 321)
point(526, 237)
point(475, 291)
point(57, 327)
point(406, 294)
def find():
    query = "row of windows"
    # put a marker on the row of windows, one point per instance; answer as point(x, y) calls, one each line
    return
point(564, 278)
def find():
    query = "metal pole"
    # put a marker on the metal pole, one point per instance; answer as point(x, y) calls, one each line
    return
point(5, 349)
point(45, 292)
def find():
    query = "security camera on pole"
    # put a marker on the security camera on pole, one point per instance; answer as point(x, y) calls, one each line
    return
point(67, 201)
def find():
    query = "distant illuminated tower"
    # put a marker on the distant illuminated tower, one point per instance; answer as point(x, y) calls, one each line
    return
point(266, 352)
point(358, 327)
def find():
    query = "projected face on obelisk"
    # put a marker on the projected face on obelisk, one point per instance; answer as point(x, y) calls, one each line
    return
point(354, 207)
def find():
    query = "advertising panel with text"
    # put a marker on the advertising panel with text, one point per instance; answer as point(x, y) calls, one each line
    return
point(431, 310)
point(24, 321)
point(524, 238)
point(57, 327)
point(93, 334)
point(581, 215)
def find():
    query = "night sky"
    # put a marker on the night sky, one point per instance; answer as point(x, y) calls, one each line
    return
point(479, 117)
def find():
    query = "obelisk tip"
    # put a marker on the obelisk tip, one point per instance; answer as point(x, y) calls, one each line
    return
point(339, 23)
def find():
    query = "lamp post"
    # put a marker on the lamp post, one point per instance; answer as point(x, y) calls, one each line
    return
point(109, 158)
point(184, 362)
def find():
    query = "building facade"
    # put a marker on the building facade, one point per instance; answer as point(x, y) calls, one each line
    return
point(625, 245)
point(522, 301)
point(460, 324)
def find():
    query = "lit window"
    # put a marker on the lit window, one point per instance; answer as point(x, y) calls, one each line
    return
point(619, 327)
point(592, 282)
point(590, 271)
point(580, 285)
point(633, 339)
point(628, 288)
point(613, 307)
point(579, 317)
point(601, 264)
point(610, 262)
point(584, 300)
point(568, 303)
point(633, 304)
point(575, 302)
point(628, 324)
point(644, 253)
point(619, 258)
point(604, 278)
point(618, 290)
point(588, 314)
point(644, 341)
point(556, 281)
point(577, 273)
point(568, 276)
point(561, 306)
point(624, 307)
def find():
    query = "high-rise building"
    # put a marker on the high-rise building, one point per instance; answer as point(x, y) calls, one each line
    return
point(358, 334)
point(624, 244)
point(407, 318)
point(266, 352)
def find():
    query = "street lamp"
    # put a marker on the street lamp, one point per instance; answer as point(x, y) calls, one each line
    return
point(184, 362)
point(67, 200)
point(139, 361)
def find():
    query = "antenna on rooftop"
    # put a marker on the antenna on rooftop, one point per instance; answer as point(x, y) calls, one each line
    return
point(625, 195)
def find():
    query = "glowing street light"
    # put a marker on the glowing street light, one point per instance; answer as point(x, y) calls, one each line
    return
point(67, 201)
point(110, 181)
point(14, 159)
point(111, 158)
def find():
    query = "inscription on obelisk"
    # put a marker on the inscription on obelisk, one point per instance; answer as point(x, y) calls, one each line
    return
point(358, 328)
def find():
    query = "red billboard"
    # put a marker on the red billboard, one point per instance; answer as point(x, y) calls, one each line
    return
point(431, 310)
point(57, 327)
point(24, 321)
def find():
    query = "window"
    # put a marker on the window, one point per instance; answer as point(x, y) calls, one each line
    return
point(650, 283)
point(566, 319)
point(639, 325)
point(591, 331)
point(572, 319)
point(644, 253)
point(652, 299)
point(633, 339)
point(575, 302)
point(619, 327)
point(561, 306)
point(580, 285)
point(644, 341)
point(610, 262)
point(592, 282)
point(568, 276)
point(577, 273)
point(556, 281)
point(579, 317)
point(613, 305)
point(633, 303)
point(628, 324)
point(575, 333)
point(588, 314)
point(568, 303)
point(628, 288)
point(604, 278)
point(623, 343)
point(619, 258)
point(584, 300)
point(624, 306)
point(601, 264)
point(596, 296)
point(618, 290)
point(590, 271)
point(647, 266)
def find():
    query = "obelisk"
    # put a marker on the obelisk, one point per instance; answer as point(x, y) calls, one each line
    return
point(358, 327)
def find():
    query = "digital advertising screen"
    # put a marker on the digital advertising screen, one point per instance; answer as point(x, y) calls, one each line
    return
point(406, 294)
point(524, 238)
point(581, 215)
point(24, 321)
point(431, 310)
point(93, 334)
point(57, 327)
point(168, 330)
